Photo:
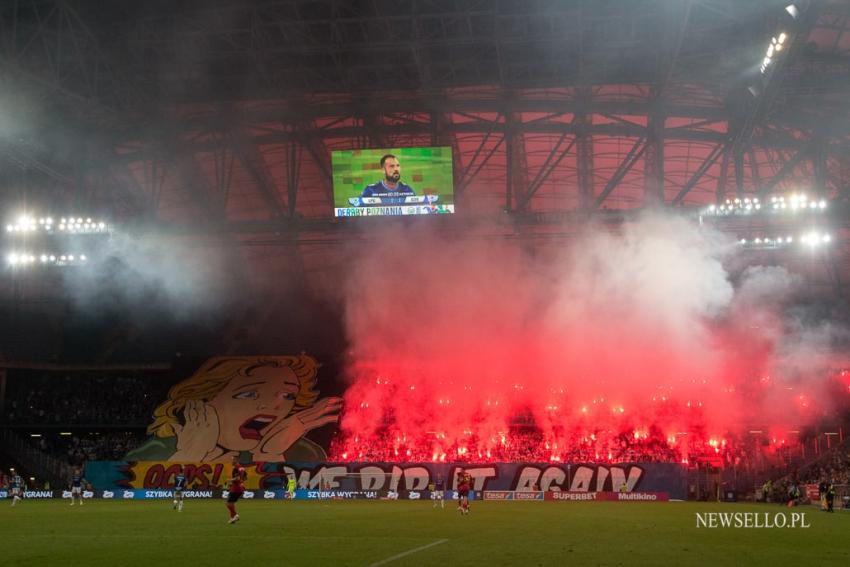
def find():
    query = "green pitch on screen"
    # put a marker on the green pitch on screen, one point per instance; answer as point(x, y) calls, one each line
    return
point(427, 170)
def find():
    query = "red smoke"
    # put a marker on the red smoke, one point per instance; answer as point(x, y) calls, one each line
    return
point(608, 347)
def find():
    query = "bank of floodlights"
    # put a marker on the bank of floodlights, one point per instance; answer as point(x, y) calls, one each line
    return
point(797, 203)
point(777, 44)
point(26, 259)
point(812, 239)
point(35, 241)
point(745, 206)
point(48, 225)
point(778, 205)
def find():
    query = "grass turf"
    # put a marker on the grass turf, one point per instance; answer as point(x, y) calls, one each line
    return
point(368, 532)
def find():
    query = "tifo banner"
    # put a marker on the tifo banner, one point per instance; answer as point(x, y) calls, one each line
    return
point(258, 408)
point(666, 478)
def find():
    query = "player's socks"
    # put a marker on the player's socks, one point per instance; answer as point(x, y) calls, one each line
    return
point(180, 506)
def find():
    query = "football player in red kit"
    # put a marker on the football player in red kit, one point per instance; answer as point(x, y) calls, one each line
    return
point(237, 488)
point(464, 481)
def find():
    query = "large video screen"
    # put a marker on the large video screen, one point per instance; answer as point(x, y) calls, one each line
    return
point(392, 182)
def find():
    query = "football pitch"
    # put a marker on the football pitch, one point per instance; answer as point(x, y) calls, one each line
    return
point(405, 533)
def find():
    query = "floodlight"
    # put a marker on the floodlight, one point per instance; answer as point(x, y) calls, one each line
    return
point(792, 11)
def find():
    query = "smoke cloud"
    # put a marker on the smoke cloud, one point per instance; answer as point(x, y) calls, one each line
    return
point(646, 329)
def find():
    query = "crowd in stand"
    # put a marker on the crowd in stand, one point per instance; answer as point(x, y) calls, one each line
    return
point(533, 446)
point(828, 471)
point(75, 399)
point(100, 446)
point(834, 466)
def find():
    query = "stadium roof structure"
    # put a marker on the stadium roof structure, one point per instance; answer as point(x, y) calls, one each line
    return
point(219, 116)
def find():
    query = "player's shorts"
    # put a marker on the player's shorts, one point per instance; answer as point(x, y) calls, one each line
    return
point(178, 492)
point(15, 492)
point(463, 491)
point(438, 494)
point(76, 490)
point(232, 496)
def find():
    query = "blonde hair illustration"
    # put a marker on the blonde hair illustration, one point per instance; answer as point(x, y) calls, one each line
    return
point(217, 372)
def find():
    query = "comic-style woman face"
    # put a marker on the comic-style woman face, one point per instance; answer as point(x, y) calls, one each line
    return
point(250, 405)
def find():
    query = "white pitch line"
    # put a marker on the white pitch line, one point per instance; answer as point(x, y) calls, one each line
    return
point(408, 552)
